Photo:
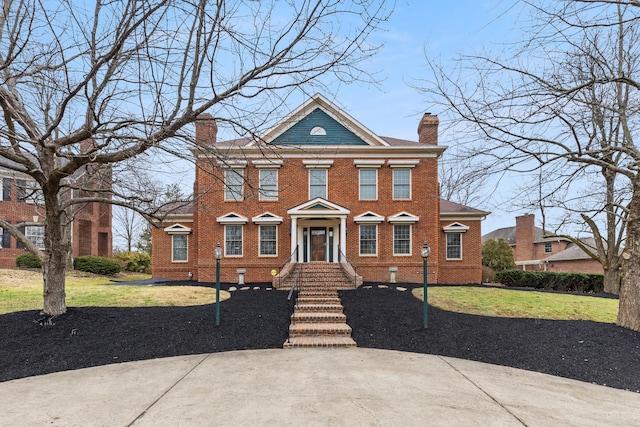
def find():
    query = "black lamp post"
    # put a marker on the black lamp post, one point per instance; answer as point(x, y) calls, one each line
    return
point(217, 254)
point(425, 251)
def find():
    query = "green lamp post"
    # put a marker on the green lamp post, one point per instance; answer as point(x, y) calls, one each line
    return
point(425, 251)
point(217, 254)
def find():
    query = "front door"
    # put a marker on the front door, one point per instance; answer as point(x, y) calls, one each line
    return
point(318, 244)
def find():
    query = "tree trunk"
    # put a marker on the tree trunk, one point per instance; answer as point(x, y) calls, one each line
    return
point(629, 311)
point(612, 281)
point(55, 265)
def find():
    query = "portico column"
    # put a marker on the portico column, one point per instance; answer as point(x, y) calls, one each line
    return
point(294, 237)
point(343, 236)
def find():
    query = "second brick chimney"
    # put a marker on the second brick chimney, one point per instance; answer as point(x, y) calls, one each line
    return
point(428, 129)
point(206, 129)
point(525, 234)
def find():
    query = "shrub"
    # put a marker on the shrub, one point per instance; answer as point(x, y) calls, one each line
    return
point(96, 265)
point(488, 274)
point(573, 282)
point(134, 261)
point(28, 260)
point(498, 255)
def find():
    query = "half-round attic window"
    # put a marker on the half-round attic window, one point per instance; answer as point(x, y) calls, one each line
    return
point(318, 131)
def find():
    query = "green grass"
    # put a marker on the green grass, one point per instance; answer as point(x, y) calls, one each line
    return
point(22, 290)
point(521, 304)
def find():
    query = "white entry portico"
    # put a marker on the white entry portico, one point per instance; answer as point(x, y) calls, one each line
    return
point(318, 231)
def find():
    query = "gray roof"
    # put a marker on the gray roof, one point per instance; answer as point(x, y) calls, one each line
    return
point(573, 251)
point(506, 233)
point(449, 207)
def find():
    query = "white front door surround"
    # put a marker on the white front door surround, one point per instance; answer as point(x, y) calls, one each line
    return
point(318, 214)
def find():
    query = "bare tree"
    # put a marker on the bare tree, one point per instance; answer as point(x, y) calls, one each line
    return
point(567, 98)
point(84, 88)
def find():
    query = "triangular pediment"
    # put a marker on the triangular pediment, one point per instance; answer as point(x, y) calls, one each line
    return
point(403, 218)
point(369, 217)
point(455, 227)
point(267, 218)
point(177, 229)
point(320, 122)
point(232, 218)
point(318, 207)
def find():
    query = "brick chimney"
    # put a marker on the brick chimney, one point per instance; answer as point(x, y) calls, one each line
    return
point(206, 129)
point(525, 232)
point(428, 129)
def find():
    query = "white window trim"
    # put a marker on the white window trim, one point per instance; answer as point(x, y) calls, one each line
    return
point(232, 218)
point(267, 163)
point(410, 239)
point(393, 185)
point(27, 234)
point(326, 185)
point(403, 218)
point(317, 164)
point(550, 251)
point(360, 240)
point(260, 254)
point(368, 163)
point(173, 235)
point(360, 183)
point(241, 241)
point(403, 163)
point(447, 247)
point(368, 217)
point(261, 195)
point(239, 172)
point(267, 218)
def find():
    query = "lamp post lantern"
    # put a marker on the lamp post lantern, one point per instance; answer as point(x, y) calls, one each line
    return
point(217, 254)
point(425, 251)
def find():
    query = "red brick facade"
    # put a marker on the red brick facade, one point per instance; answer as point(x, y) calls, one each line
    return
point(340, 215)
point(534, 250)
point(91, 229)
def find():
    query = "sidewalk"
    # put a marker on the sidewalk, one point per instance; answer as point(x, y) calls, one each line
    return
point(311, 387)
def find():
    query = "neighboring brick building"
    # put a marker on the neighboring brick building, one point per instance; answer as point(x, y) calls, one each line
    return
point(22, 202)
point(317, 187)
point(533, 251)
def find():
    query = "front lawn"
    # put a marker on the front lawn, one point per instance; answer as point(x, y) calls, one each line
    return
point(521, 304)
point(22, 290)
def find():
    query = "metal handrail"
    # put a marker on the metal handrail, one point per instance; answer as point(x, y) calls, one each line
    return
point(296, 280)
point(294, 255)
point(343, 258)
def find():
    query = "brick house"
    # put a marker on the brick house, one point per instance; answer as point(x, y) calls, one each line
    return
point(533, 250)
point(22, 202)
point(319, 187)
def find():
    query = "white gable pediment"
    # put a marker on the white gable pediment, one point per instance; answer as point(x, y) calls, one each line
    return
point(232, 218)
point(368, 217)
point(177, 229)
point(319, 207)
point(403, 218)
point(267, 218)
point(455, 227)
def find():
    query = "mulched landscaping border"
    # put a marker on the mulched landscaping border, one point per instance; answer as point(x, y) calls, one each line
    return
point(381, 317)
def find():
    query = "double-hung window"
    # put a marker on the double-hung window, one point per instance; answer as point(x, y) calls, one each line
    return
point(233, 240)
point(179, 248)
point(454, 245)
point(35, 233)
point(368, 239)
point(233, 184)
point(401, 184)
point(368, 184)
point(402, 239)
point(268, 184)
point(268, 240)
point(317, 183)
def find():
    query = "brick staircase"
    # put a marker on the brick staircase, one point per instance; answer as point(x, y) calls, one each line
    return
point(317, 319)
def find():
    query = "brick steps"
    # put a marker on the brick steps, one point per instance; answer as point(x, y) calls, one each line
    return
point(326, 341)
point(317, 319)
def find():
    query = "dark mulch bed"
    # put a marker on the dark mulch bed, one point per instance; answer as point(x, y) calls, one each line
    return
point(258, 319)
